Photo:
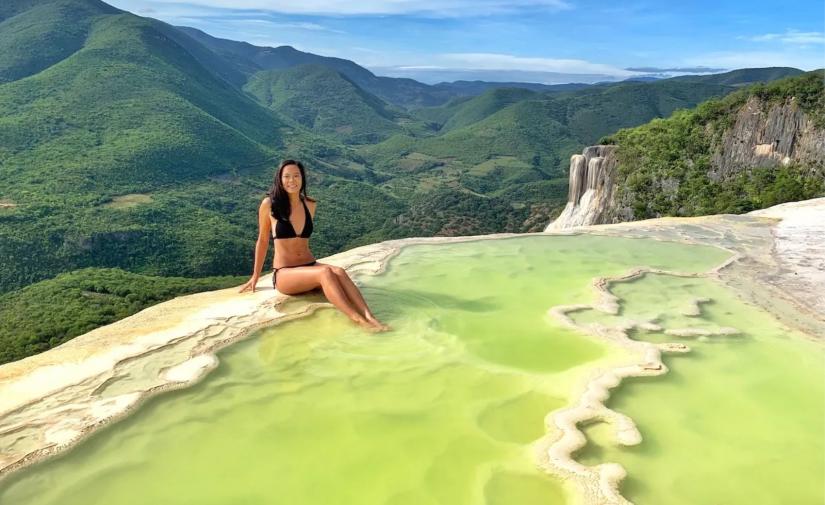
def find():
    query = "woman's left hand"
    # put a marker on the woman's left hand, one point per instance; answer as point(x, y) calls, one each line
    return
point(250, 284)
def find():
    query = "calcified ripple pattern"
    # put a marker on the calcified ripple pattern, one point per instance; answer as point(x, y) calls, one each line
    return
point(777, 259)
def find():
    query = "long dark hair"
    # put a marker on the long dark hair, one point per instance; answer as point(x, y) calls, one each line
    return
point(278, 194)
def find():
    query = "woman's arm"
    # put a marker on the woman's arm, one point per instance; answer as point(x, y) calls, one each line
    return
point(264, 236)
point(262, 244)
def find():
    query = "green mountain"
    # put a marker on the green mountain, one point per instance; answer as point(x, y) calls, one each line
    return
point(119, 154)
point(249, 59)
point(743, 76)
point(597, 111)
point(473, 88)
point(589, 105)
point(56, 29)
point(538, 130)
point(464, 110)
point(484, 105)
point(321, 99)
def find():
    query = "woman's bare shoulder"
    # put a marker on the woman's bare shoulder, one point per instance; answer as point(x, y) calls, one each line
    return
point(311, 204)
point(265, 207)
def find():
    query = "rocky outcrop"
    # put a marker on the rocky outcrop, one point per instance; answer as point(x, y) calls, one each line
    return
point(592, 184)
point(767, 134)
point(761, 133)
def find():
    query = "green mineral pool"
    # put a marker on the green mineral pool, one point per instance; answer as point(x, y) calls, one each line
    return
point(739, 419)
point(446, 407)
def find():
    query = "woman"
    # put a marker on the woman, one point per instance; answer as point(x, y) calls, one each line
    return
point(287, 209)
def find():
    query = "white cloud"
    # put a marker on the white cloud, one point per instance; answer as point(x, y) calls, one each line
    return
point(189, 15)
point(789, 37)
point(257, 24)
point(493, 61)
point(436, 8)
point(756, 59)
point(495, 67)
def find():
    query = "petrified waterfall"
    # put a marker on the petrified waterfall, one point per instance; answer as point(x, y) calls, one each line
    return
point(592, 180)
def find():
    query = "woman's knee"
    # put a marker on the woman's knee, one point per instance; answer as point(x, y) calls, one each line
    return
point(335, 269)
point(327, 274)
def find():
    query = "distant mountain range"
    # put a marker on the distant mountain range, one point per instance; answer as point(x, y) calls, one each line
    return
point(247, 59)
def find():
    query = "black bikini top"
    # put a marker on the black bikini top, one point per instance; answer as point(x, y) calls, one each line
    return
point(284, 228)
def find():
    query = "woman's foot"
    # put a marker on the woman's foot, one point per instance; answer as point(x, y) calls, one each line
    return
point(376, 323)
point(367, 325)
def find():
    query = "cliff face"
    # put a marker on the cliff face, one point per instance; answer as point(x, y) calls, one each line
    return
point(768, 135)
point(759, 134)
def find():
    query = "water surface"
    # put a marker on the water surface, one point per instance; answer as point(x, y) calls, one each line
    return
point(441, 410)
point(739, 420)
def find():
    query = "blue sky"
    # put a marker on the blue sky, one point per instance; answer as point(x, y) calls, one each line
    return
point(519, 40)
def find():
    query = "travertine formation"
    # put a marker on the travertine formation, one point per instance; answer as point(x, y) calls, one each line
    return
point(600, 484)
point(800, 249)
point(48, 402)
point(592, 181)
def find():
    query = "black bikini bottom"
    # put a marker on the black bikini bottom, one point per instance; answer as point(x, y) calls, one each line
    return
point(275, 272)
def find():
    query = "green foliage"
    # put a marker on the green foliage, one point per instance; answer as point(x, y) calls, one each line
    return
point(806, 91)
point(484, 105)
point(520, 131)
point(56, 28)
point(439, 115)
point(742, 76)
point(664, 165)
point(449, 212)
point(48, 313)
point(764, 187)
point(350, 209)
point(325, 101)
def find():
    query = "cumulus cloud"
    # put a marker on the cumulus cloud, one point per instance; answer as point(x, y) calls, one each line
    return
point(789, 37)
point(680, 70)
point(498, 67)
point(252, 25)
point(493, 61)
point(756, 59)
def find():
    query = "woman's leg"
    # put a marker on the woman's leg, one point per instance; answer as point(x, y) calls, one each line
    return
point(295, 280)
point(354, 293)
